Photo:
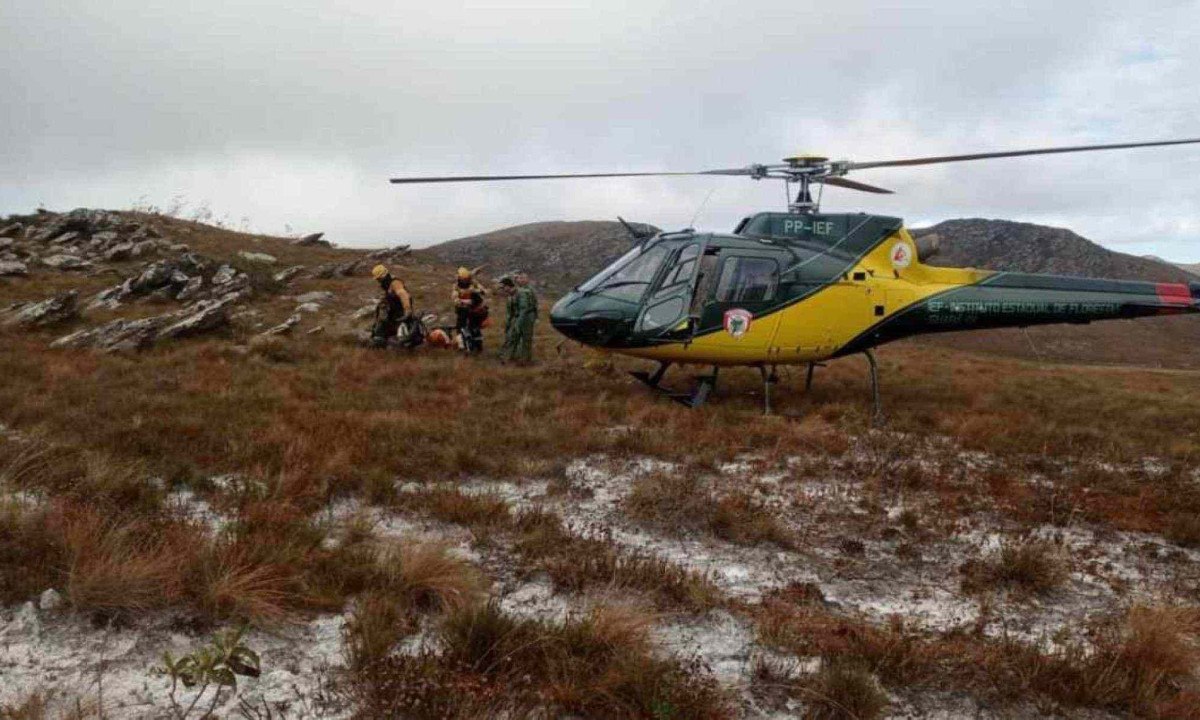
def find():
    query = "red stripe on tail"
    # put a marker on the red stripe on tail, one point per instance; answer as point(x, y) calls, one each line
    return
point(1173, 293)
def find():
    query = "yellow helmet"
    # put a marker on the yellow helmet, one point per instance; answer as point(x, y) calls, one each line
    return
point(464, 274)
point(378, 271)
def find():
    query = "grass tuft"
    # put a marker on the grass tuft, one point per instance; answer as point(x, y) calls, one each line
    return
point(1030, 566)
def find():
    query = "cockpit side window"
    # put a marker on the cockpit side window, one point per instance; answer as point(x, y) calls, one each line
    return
point(629, 282)
point(607, 272)
point(747, 280)
point(682, 272)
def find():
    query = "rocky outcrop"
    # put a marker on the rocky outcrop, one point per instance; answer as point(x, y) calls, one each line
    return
point(201, 317)
point(255, 257)
point(54, 311)
point(287, 275)
point(332, 270)
point(181, 278)
point(66, 262)
point(283, 328)
point(10, 268)
point(390, 254)
point(87, 235)
point(314, 239)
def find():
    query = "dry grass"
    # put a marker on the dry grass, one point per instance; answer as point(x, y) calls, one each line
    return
point(1144, 663)
point(50, 705)
point(229, 586)
point(409, 580)
point(1027, 565)
point(599, 664)
point(681, 501)
point(481, 512)
point(573, 562)
point(577, 563)
point(30, 552)
point(843, 691)
point(428, 577)
point(118, 567)
point(596, 665)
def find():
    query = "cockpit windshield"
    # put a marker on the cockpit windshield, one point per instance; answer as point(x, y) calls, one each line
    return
point(628, 277)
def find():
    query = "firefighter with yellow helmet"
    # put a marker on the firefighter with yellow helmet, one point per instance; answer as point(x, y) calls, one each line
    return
point(470, 310)
point(395, 309)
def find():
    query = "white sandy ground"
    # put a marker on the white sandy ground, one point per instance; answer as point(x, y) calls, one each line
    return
point(113, 667)
point(41, 649)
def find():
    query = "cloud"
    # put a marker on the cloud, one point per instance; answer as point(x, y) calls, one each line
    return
point(295, 114)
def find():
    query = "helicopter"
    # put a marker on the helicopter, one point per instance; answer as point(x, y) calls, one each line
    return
point(802, 287)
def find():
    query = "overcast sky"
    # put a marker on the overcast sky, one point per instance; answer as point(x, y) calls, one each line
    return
point(291, 116)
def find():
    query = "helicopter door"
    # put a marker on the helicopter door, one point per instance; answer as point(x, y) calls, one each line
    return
point(666, 312)
point(735, 313)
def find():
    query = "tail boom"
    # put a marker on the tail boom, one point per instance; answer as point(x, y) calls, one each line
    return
point(1021, 299)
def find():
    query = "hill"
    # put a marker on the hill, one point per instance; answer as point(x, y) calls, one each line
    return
point(1025, 247)
point(557, 255)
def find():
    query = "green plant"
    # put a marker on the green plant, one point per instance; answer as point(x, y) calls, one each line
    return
point(215, 666)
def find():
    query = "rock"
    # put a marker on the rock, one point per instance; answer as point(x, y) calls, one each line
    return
point(331, 270)
point(316, 330)
point(112, 297)
point(116, 335)
point(11, 231)
point(155, 276)
point(178, 247)
point(116, 253)
point(257, 257)
point(283, 328)
point(365, 311)
point(311, 240)
point(191, 288)
point(56, 310)
point(193, 264)
point(200, 318)
point(145, 247)
point(388, 253)
point(146, 231)
point(224, 275)
point(50, 600)
point(6, 243)
point(66, 262)
point(13, 268)
point(204, 316)
point(308, 308)
point(66, 238)
point(104, 239)
point(80, 220)
point(316, 296)
point(284, 276)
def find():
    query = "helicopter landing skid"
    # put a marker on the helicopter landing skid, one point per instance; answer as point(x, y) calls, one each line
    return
point(704, 386)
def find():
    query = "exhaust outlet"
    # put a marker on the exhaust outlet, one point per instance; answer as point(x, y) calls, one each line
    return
point(928, 246)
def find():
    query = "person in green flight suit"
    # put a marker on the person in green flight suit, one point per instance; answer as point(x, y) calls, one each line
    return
point(523, 312)
point(508, 288)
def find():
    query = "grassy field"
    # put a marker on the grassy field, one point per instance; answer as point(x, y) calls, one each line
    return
point(570, 475)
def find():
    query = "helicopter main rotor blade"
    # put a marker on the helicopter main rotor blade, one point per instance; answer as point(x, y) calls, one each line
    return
point(1010, 153)
point(853, 184)
point(567, 176)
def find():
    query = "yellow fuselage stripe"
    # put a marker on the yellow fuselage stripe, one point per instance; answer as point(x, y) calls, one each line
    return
point(816, 327)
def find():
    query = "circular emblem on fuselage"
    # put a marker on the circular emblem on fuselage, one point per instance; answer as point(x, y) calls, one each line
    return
point(737, 322)
point(901, 255)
